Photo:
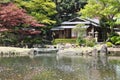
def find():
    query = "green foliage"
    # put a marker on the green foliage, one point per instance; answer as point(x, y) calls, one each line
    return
point(4, 1)
point(31, 40)
point(42, 10)
point(118, 42)
point(56, 41)
point(26, 39)
point(79, 30)
point(118, 19)
point(107, 9)
point(80, 41)
point(8, 41)
point(36, 41)
point(67, 9)
point(8, 38)
point(90, 42)
point(115, 40)
point(101, 8)
point(109, 44)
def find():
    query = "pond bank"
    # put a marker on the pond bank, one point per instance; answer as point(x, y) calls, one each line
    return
point(13, 51)
point(114, 51)
point(89, 51)
point(16, 51)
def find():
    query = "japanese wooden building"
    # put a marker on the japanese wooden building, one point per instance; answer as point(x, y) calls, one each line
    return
point(65, 30)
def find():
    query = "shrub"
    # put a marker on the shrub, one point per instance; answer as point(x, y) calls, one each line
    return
point(90, 42)
point(36, 41)
point(56, 41)
point(8, 41)
point(117, 43)
point(109, 44)
point(80, 41)
point(115, 40)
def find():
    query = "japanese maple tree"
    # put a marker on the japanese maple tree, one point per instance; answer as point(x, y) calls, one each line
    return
point(11, 16)
point(18, 23)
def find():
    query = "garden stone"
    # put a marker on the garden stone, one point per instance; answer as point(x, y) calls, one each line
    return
point(104, 50)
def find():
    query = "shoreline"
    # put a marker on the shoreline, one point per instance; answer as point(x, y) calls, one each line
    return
point(14, 50)
point(67, 51)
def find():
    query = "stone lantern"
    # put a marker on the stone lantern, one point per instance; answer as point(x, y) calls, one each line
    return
point(96, 36)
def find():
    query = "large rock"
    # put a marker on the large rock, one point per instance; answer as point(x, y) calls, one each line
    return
point(104, 49)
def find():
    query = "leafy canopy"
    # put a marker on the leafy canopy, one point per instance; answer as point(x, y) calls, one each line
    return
point(67, 9)
point(42, 10)
point(11, 16)
point(101, 8)
point(107, 9)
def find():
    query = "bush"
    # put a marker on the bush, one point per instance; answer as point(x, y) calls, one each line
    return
point(80, 41)
point(109, 44)
point(90, 42)
point(56, 41)
point(115, 40)
point(117, 43)
point(36, 41)
point(8, 41)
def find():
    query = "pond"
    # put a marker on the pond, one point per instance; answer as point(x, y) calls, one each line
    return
point(54, 67)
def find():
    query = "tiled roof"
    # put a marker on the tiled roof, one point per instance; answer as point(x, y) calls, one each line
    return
point(87, 22)
point(66, 27)
point(73, 22)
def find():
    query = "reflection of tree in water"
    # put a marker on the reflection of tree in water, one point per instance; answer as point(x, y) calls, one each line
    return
point(101, 69)
point(71, 68)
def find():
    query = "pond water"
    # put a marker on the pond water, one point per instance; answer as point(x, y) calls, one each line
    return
point(54, 67)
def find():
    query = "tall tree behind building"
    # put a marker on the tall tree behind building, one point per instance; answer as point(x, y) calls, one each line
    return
point(68, 9)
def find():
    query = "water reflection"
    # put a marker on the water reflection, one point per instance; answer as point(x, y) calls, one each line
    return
point(101, 69)
point(59, 68)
